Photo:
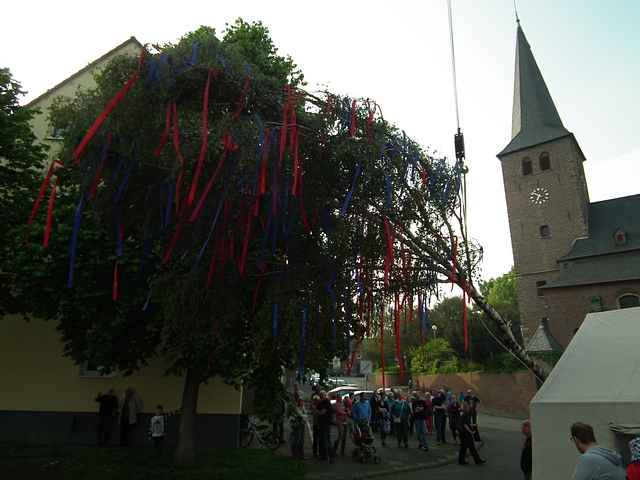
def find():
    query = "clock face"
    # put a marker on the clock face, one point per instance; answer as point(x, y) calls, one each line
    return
point(539, 196)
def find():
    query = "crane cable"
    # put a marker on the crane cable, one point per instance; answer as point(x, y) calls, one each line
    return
point(460, 156)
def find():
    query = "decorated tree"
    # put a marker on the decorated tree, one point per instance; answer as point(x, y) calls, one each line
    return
point(222, 217)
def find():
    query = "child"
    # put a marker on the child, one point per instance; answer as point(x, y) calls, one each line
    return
point(633, 470)
point(158, 429)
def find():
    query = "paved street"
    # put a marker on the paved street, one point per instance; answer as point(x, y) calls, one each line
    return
point(502, 451)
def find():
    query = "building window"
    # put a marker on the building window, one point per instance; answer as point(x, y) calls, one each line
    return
point(629, 300)
point(545, 231)
point(620, 238)
point(539, 289)
point(545, 161)
point(527, 167)
point(596, 303)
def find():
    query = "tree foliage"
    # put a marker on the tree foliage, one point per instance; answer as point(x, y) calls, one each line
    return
point(21, 164)
point(435, 356)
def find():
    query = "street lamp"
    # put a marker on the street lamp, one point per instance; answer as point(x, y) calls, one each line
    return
point(435, 330)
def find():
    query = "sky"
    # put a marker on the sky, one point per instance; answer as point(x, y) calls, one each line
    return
point(398, 53)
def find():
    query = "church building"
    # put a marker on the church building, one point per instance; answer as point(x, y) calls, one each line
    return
point(572, 256)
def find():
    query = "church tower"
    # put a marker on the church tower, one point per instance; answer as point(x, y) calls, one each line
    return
point(545, 188)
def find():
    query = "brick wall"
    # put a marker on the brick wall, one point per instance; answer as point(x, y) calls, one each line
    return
point(500, 394)
point(569, 306)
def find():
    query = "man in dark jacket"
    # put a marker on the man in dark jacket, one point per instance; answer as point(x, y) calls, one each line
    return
point(466, 438)
point(526, 463)
point(107, 413)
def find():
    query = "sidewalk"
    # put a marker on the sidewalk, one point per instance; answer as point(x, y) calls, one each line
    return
point(393, 460)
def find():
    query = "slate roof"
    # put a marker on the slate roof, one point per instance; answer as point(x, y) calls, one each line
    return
point(535, 117)
point(597, 258)
point(542, 340)
point(605, 218)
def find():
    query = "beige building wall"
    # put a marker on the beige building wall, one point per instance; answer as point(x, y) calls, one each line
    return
point(83, 79)
point(37, 377)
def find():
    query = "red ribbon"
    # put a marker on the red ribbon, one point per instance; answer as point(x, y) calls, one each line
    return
point(116, 282)
point(229, 146)
point(424, 176)
point(297, 171)
point(165, 133)
point(370, 125)
point(388, 261)
point(113, 103)
point(52, 202)
point(382, 343)
point(283, 128)
point(43, 189)
point(353, 125)
point(205, 140)
point(465, 321)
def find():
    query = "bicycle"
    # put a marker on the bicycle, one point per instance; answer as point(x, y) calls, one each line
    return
point(260, 431)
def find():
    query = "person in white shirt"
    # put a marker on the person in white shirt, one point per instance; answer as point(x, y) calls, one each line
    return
point(158, 429)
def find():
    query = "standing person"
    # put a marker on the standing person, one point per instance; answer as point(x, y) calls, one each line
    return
point(361, 411)
point(440, 414)
point(473, 402)
point(466, 438)
point(373, 404)
point(279, 409)
point(429, 413)
point(633, 469)
point(107, 416)
point(526, 461)
point(384, 416)
point(400, 413)
point(419, 407)
point(596, 462)
point(453, 412)
point(315, 399)
point(341, 424)
point(324, 410)
point(131, 410)
point(158, 429)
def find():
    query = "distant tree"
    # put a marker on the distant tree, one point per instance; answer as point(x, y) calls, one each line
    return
point(447, 316)
point(21, 164)
point(435, 356)
point(501, 292)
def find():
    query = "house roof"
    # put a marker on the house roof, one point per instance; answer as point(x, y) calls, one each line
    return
point(90, 66)
point(542, 340)
point(535, 119)
point(620, 267)
point(597, 258)
point(605, 218)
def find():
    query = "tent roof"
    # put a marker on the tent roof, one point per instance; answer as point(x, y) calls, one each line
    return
point(601, 364)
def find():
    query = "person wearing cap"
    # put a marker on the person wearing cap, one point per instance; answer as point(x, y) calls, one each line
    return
point(633, 469)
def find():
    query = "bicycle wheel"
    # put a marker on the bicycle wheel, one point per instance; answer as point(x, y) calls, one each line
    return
point(270, 440)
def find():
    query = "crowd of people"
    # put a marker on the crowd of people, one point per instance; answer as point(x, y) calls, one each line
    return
point(390, 415)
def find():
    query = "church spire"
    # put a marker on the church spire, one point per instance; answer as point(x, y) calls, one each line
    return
point(535, 117)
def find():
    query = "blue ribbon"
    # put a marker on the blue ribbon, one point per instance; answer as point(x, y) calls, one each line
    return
point(77, 219)
point(347, 200)
point(388, 190)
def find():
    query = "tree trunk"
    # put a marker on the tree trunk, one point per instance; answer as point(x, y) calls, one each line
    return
point(508, 336)
point(185, 451)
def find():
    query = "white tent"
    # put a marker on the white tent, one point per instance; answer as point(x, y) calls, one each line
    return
point(597, 381)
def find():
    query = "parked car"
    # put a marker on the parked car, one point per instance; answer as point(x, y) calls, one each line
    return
point(340, 392)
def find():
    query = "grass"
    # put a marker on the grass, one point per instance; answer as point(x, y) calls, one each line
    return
point(90, 463)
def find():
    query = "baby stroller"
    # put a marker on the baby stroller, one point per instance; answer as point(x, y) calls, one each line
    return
point(363, 440)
